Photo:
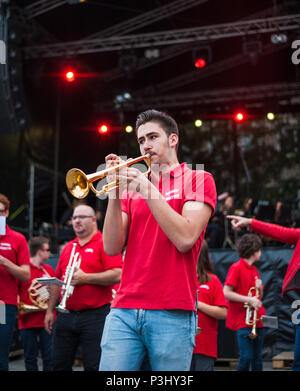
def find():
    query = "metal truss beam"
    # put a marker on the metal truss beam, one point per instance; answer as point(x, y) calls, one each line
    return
point(213, 69)
point(172, 51)
point(41, 6)
point(147, 18)
point(197, 34)
point(218, 96)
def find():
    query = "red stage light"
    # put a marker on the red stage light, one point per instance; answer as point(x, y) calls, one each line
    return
point(70, 76)
point(239, 117)
point(103, 128)
point(200, 63)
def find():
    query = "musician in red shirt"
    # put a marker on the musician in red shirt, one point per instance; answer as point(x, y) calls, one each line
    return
point(14, 267)
point(241, 277)
point(90, 301)
point(211, 308)
point(291, 278)
point(32, 297)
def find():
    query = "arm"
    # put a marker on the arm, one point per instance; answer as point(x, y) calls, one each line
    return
point(107, 278)
point(22, 272)
point(116, 222)
point(236, 297)
point(213, 310)
point(274, 231)
point(53, 301)
point(182, 230)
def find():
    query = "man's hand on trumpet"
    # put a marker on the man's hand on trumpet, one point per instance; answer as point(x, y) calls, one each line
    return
point(79, 277)
point(238, 222)
point(128, 178)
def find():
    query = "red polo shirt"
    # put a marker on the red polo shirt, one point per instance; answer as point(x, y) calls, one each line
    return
point(241, 276)
point(33, 319)
point(210, 293)
point(13, 246)
point(93, 260)
point(155, 274)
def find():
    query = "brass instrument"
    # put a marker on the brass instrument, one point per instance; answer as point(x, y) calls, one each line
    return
point(251, 313)
point(67, 288)
point(39, 296)
point(79, 184)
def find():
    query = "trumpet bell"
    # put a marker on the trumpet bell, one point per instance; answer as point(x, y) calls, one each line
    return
point(77, 183)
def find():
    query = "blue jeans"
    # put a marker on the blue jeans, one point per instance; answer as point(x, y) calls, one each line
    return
point(296, 364)
point(250, 350)
point(166, 336)
point(6, 335)
point(35, 340)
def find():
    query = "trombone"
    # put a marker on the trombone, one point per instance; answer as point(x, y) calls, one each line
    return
point(79, 184)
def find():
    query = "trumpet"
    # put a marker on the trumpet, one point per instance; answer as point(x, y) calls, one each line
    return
point(67, 288)
point(79, 184)
point(251, 313)
point(39, 296)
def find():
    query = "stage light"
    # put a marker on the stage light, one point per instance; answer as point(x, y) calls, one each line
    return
point(128, 129)
point(103, 128)
point(239, 116)
point(200, 63)
point(70, 76)
point(198, 123)
point(271, 116)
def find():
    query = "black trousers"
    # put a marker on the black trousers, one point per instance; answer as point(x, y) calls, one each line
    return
point(76, 328)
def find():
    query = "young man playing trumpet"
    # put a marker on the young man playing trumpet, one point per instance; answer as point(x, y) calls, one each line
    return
point(89, 303)
point(162, 221)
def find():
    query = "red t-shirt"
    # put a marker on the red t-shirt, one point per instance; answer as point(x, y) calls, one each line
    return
point(93, 260)
point(210, 293)
point(241, 276)
point(33, 319)
point(155, 274)
point(13, 246)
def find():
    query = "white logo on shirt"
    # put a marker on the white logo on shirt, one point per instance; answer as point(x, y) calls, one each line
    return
point(171, 194)
point(204, 286)
point(88, 250)
point(5, 246)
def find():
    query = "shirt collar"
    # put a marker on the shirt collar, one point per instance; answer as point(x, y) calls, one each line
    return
point(246, 264)
point(175, 172)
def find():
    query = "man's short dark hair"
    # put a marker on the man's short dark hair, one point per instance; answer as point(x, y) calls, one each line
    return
point(5, 201)
point(36, 243)
point(248, 244)
point(166, 122)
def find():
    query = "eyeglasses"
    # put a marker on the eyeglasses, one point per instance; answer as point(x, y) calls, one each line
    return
point(80, 217)
point(2, 210)
point(46, 249)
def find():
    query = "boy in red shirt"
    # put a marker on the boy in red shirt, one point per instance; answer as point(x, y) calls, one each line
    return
point(211, 308)
point(31, 324)
point(14, 267)
point(242, 276)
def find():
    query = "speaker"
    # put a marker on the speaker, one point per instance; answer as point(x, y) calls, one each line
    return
point(13, 111)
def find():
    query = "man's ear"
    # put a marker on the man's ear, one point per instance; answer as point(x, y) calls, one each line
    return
point(173, 140)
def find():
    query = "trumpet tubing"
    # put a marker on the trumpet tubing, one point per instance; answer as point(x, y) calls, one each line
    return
point(251, 314)
point(67, 288)
point(79, 184)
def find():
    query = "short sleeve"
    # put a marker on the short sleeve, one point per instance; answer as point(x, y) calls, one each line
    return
point(232, 277)
point(23, 256)
point(218, 296)
point(202, 189)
